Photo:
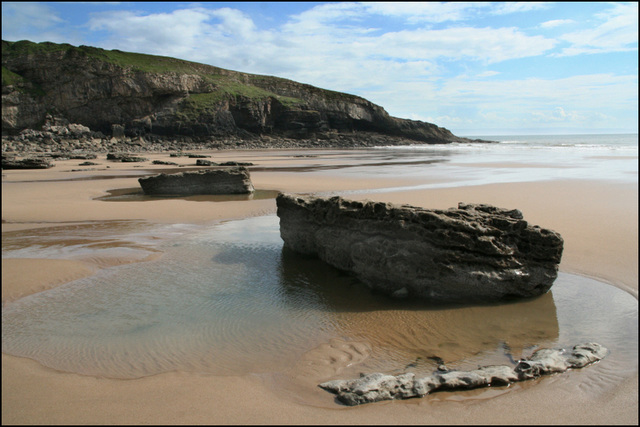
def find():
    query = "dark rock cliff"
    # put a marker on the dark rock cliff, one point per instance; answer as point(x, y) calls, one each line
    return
point(121, 93)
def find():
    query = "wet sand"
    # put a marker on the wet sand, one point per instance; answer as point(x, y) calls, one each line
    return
point(597, 219)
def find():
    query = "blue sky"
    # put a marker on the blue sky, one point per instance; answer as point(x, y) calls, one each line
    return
point(476, 68)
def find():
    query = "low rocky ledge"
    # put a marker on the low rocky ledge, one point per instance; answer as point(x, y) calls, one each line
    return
point(378, 386)
point(475, 252)
point(220, 181)
point(28, 163)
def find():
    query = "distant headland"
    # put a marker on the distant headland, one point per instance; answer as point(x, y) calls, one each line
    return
point(105, 98)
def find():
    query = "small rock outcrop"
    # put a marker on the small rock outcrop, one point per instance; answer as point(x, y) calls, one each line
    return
point(474, 252)
point(378, 386)
point(28, 163)
point(125, 158)
point(222, 181)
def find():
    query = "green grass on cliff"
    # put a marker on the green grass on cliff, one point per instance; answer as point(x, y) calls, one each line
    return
point(201, 103)
point(226, 84)
point(9, 78)
point(134, 61)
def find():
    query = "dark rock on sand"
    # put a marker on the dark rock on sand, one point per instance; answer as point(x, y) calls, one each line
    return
point(222, 181)
point(28, 163)
point(162, 162)
point(203, 162)
point(378, 386)
point(474, 252)
point(125, 157)
point(236, 164)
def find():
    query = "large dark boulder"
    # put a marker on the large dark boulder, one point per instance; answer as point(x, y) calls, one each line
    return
point(473, 252)
point(221, 181)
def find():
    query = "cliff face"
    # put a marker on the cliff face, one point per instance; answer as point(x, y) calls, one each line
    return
point(144, 94)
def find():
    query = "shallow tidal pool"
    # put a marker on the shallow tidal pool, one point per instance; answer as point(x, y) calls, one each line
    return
point(228, 299)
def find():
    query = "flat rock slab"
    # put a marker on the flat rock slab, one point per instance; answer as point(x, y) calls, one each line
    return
point(475, 252)
point(221, 181)
point(29, 163)
point(377, 387)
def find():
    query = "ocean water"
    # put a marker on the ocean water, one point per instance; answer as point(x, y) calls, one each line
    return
point(228, 299)
point(517, 159)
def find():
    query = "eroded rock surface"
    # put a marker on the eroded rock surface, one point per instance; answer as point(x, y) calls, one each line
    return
point(378, 386)
point(474, 252)
point(221, 181)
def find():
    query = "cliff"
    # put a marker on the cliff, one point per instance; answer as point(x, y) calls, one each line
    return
point(129, 94)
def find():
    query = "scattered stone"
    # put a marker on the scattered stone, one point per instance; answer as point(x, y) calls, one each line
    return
point(162, 162)
point(88, 164)
point(377, 387)
point(125, 157)
point(236, 164)
point(476, 252)
point(83, 156)
point(202, 162)
point(198, 156)
point(223, 181)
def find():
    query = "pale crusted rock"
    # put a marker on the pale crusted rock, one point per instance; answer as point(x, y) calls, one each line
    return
point(221, 181)
point(377, 387)
point(474, 252)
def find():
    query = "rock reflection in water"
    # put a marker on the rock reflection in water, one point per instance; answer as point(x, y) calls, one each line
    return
point(419, 333)
point(135, 194)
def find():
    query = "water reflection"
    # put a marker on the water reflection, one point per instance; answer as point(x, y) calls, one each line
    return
point(135, 194)
point(413, 329)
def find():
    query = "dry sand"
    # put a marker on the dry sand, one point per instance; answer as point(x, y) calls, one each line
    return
point(598, 221)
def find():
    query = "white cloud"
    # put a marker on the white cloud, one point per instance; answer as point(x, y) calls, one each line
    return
point(618, 33)
point(559, 115)
point(488, 74)
point(433, 12)
point(488, 45)
point(171, 34)
point(504, 8)
point(556, 23)
point(313, 47)
point(234, 22)
point(32, 21)
point(583, 100)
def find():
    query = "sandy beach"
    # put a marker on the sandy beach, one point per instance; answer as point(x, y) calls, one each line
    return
point(597, 219)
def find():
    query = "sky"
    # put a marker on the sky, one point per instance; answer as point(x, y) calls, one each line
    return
point(475, 68)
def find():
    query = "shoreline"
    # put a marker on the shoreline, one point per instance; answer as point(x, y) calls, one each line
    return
point(597, 219)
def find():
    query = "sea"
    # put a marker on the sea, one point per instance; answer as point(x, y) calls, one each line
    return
point(526, 158)
point(228, 299)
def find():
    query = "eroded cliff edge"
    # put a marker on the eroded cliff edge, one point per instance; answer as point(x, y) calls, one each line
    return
point(122, 94)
